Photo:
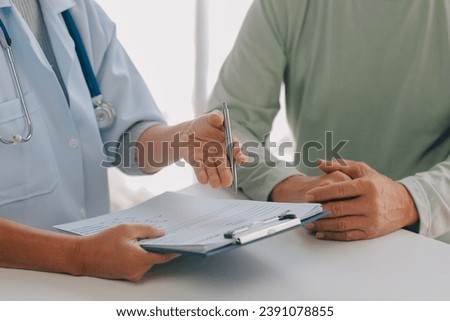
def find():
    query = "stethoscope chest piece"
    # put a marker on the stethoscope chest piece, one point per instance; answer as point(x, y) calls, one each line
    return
point(105, 114)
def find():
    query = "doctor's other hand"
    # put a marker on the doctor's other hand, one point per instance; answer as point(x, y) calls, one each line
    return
point(368, 206)
point(206, 150)
point(116, 254)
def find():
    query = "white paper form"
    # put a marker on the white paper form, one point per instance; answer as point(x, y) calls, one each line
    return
point(193, 222)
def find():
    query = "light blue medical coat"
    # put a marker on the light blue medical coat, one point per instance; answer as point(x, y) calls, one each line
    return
point(57, 176)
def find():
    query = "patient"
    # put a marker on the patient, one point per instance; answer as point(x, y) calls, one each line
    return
point(366, 85)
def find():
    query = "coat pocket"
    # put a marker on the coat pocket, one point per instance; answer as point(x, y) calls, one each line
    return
point(26, 169)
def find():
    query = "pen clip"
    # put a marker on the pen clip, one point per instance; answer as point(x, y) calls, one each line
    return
point(282, 217)
point(229, 143)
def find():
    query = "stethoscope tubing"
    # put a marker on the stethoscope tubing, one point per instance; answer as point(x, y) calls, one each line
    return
point(105, 113)
point(88, 72)
point(16, 138)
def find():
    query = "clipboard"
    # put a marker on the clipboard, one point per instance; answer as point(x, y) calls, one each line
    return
point(240, 239)
point(203, 226)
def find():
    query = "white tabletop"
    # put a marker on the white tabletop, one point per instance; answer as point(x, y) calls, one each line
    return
point(291, 266)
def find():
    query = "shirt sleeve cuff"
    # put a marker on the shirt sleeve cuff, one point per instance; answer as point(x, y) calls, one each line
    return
point(422, 204)
point(263, 181)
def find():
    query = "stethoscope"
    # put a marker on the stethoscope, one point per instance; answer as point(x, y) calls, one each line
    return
point(104, 112)
point(6, 42)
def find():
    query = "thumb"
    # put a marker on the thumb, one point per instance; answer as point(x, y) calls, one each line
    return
point(351, 168)
point(215, 118)
point(331, 166)
point(142, 231)
point(153, 232)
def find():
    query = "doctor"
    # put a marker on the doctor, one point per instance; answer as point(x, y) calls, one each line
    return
point(53, 137)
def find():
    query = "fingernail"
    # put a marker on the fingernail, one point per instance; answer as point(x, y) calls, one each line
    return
point(160, 230)
point(309, 226)
point(320, 235)
point(320, 161)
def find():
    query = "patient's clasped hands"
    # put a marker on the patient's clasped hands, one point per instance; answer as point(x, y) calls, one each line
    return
point(364, 204)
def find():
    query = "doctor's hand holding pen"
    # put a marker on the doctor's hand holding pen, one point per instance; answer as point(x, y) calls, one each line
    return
point(201, 142)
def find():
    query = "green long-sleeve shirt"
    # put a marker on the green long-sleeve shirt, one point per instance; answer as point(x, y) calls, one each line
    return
point(374, 73)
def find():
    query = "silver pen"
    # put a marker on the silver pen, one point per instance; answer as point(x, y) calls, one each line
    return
point(229, 143)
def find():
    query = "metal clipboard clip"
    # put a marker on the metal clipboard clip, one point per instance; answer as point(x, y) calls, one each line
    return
point(284, 222)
